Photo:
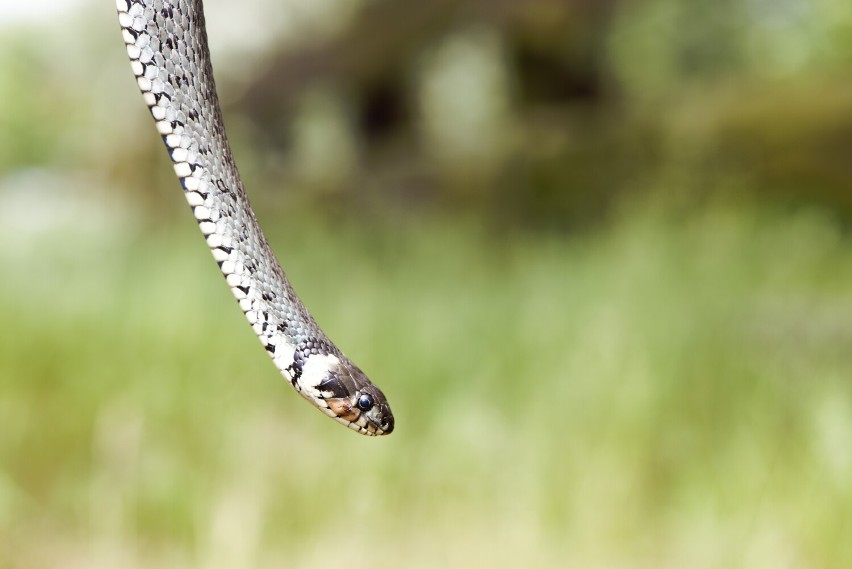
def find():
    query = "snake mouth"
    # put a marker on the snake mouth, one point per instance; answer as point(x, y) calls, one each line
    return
point(376, 421)
point(369, 430)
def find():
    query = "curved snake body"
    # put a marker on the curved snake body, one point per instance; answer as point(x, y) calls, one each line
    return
point(167, 45)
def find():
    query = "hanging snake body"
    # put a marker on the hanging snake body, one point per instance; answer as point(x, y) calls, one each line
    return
point(167, 45)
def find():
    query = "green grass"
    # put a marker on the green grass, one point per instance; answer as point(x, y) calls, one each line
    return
point(671, 391)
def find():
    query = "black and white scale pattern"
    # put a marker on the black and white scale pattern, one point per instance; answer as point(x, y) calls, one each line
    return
point(167, 45)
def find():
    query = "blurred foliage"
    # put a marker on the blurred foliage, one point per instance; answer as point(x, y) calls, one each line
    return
point(548, 112)
point(596, 252)
point(667, 393)
point(538, 113)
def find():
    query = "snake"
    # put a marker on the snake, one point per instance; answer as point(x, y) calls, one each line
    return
point(166, 42)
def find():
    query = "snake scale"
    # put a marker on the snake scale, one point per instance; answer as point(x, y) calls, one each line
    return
point(166, 41)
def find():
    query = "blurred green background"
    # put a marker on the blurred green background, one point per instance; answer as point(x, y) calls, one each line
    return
point(597, 253)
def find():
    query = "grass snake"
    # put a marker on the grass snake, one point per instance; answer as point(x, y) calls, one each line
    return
point(167, 44)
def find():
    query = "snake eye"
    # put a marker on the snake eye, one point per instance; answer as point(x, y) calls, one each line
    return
point(365, 402)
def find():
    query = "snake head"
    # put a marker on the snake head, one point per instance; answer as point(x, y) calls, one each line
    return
point(341, 390)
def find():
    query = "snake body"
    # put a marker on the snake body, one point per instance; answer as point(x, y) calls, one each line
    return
point(166, 41)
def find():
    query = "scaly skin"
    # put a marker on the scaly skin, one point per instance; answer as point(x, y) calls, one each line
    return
point(167, 44)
